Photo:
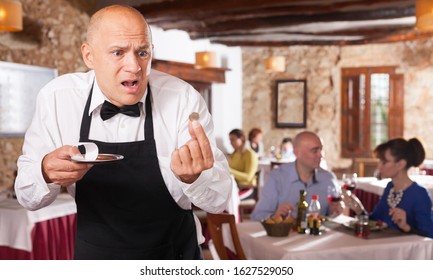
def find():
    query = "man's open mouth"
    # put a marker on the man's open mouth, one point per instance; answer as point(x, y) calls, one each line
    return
point(131, 83)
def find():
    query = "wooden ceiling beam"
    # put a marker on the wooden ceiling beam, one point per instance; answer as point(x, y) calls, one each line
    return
point(202, 10)
point(248, 22)
point(392, 38)
point(364, 31)
point(207, 29)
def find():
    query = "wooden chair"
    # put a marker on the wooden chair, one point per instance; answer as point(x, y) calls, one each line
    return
point(215, 225)
point(246, 206)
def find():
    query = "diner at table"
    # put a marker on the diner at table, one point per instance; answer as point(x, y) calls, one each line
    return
point(255, 141)
point(280, 192)
point(370, 189)
point(404, 205)
point(243, 163)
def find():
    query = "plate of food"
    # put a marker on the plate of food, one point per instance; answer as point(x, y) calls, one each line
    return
point(372, 225)
point(101, 158)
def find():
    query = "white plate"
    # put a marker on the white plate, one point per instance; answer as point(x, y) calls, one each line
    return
point(372, 225)
point(102, 158)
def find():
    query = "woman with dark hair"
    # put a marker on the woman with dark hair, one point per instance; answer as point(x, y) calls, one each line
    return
point(243, 162)
point(404, 205)
point(255, 137)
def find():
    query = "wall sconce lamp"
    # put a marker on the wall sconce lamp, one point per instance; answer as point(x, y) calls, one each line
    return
point(11, 15)
point(424, 14)
point(275, 64)
point(205, 59)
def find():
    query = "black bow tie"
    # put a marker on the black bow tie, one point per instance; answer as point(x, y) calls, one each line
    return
point(108, 110)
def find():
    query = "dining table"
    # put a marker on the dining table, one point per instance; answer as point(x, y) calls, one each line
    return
point(336, 242)
point(44, 234)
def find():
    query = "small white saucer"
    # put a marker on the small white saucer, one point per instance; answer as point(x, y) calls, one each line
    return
point(102, 158)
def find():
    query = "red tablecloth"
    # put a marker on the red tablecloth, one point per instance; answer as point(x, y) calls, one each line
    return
point(52, 240)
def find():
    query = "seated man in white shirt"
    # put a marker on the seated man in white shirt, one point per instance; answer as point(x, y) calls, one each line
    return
point(138, 207)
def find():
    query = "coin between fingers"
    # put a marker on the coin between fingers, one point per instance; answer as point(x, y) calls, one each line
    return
point(194, 116)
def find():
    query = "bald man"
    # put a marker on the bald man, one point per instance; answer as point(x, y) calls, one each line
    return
point(138, 207)
point(281, 191)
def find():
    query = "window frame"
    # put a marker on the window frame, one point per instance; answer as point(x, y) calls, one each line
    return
point(355, 120)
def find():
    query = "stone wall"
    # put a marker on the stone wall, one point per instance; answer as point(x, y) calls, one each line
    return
point(321, 67)
point(52, 36)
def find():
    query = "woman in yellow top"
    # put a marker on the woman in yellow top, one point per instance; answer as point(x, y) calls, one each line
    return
point(243, 162)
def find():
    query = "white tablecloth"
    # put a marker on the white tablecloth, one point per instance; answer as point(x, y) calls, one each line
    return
point(332, 245)
point(371, 184)
point(16, 223)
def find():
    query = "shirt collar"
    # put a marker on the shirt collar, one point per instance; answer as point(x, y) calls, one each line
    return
point(296, 178)
point(98, 98)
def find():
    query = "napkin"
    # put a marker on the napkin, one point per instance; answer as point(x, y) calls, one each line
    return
point(342, 219)
point(88, 151)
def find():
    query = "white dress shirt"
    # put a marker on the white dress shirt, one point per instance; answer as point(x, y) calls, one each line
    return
point(57, 120)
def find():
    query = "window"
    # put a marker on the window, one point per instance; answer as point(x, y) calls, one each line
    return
point(372, 108)
point(19, 86)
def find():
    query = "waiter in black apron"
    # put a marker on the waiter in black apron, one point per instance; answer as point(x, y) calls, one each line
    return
point(125, 209)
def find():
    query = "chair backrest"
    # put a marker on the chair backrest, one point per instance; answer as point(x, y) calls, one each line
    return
point(215, 225)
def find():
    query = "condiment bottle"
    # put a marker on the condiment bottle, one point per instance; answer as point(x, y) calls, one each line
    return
point(301, 218)
point(314, 215)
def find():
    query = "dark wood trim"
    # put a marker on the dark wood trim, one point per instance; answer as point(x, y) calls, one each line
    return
point(200, 78)
point(193, 11)
point(396, 106)
point(188, 72)
point(280, 22)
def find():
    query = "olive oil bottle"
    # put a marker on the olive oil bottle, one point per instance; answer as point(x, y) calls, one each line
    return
point(301, 218)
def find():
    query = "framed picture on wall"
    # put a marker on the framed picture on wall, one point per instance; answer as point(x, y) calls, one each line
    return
point(291, 103)
point(19, 86)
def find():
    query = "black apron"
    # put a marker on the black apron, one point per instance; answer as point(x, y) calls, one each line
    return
point(124, 209)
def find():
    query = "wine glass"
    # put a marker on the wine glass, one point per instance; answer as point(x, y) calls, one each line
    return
point(349, 181)
point(349, 197)
point(335, 200)
point(334, 194)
